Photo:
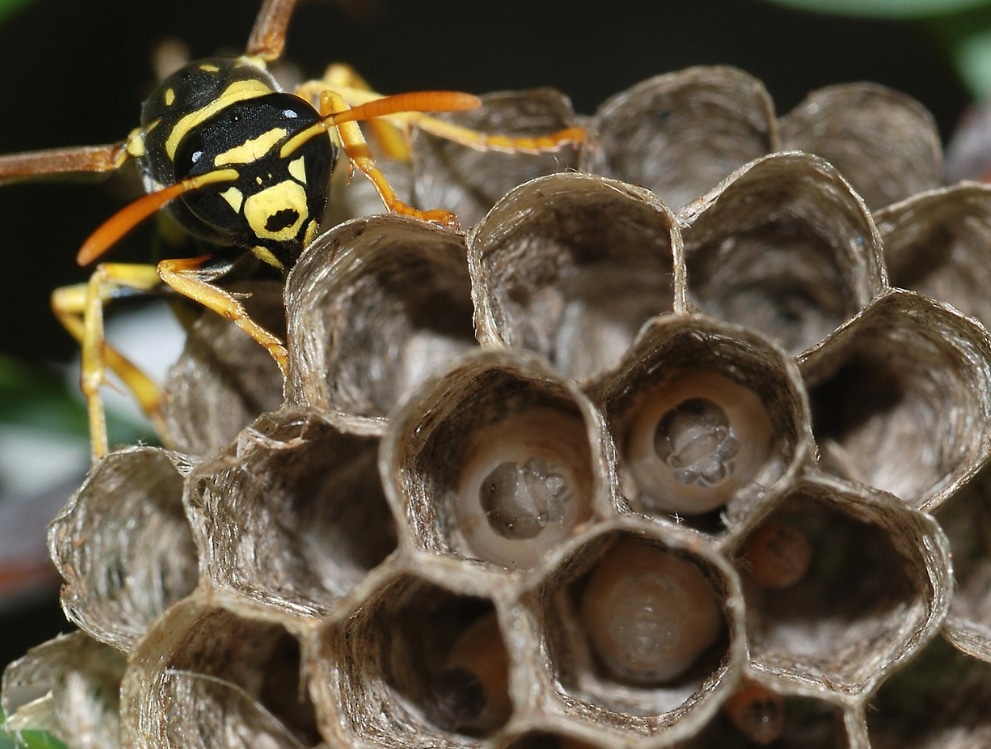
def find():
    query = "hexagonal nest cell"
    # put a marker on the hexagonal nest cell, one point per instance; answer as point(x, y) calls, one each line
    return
point(420, 660)
point(598, 472)
point(856, 586)
point(639, 631)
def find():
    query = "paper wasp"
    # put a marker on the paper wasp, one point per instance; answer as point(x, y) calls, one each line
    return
point(244, 167)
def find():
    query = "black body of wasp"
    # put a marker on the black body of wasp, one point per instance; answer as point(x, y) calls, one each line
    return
point(217, 113)
point(244, 167)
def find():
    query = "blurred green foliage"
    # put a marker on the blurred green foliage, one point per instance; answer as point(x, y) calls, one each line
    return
point(903, 9)
point(38, 398)
point(27, 739)
point(961, 27)
point(9, 6)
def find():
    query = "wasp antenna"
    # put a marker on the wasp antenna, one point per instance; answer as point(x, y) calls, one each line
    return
point(126, 219)
point(416, 101)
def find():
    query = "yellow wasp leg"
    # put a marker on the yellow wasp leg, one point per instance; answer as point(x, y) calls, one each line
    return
point(186, 277)
point(470, 138)
point(393, 135)
point(390, 133)
point(353, 143)
point(80, 310)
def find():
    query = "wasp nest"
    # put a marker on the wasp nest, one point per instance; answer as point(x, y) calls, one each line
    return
point(678, 464)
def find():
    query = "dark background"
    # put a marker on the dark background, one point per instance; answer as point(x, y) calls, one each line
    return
point(74, 72)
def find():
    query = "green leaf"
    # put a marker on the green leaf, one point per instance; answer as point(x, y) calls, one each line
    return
point(8, 7)
point(36, 397)
point(27, 739)
point(903, 9)
point(39, 398)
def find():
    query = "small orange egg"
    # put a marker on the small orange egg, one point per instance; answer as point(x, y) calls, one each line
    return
point(778, 555)
point(472, 690)
point(757, 712)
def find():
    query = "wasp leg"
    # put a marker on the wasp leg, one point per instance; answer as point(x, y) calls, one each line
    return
point(357, 150)
point(80, 310)
point(480, 141)
point(393, 136)
point(268, 37)
point(189, 277)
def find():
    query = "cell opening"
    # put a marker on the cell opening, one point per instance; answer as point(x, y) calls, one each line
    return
point(312, 486)
point(849, 590)
point(939, 700)
point(803, 723)
point(525, 485)
point(638, 628)
point(445, 654)
point(694, 441)
point(225, 672)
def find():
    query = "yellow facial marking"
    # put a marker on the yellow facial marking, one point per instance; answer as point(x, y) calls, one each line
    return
point(234, 198)
point(169, 97)
point(237, 91)
point(297, 168)
point(271, 204)
point(266, 256)
point(135, 143)
point(311, 232)
point(252, 149)
point(209, 68)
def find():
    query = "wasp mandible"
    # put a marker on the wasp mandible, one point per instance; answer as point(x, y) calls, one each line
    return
point(244, 167)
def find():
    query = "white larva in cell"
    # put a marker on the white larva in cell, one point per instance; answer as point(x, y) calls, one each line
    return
point(526, 484)
point(648, 614)
point(695, 441)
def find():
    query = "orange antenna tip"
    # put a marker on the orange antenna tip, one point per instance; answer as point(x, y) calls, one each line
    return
point(127, 218)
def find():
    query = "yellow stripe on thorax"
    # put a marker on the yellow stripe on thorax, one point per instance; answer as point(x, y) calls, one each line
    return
point(252, 149)
point(237, 91)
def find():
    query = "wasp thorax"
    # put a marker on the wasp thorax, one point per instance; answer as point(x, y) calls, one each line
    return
point(648, 615)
